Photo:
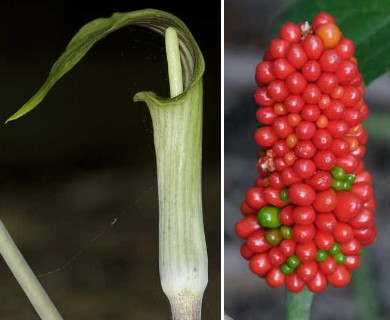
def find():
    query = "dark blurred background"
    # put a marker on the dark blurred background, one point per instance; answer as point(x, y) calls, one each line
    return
point(85, 156)
point(248, 30)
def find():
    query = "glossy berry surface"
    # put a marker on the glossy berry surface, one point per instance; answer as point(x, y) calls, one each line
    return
point(311, 210)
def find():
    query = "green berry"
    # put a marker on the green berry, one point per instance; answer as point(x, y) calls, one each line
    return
point(286, 232)
point(321, 255)
point(286, 269)
point(283, 195)
point(335, 249)
point(350, 178)
point(340, 258)
point(338, 173)
point(273, 237)
point(293, 261)
point(346, 185)
point(337, 184)
point(268, 217)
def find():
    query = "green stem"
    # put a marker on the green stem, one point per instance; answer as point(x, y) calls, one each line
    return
point(174, 63)
point(299, 305)
point(364, 286)
point(26, 278)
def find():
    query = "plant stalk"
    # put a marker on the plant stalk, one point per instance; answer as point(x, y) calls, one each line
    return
point(177, 126)
point(26, 278)
point(299, 305)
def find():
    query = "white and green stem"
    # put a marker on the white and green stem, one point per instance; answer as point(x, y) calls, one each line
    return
point(26, 278)
point(177, 126)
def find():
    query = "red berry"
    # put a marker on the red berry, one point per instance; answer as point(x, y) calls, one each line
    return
point(301, 194)
point(325, 201)
point(280, 148)
point(296, 56)
point(294, 104)
point(313, 46)
point(340, 278)
point(246, 253)
point(277, 90)
point(265, 115)
point(318, 283)
point(348, 162)
point(246, 209)
point(286, 216)
point(324, 160)
point(345, 48)
point(351, 96)
point(255, 198)
point(364, 219)
point(321, 180)
point(304, 215)
point(275, 278)
point(290, 32)
point(282, 68)
point(342, 232)
point(307, 271)
point(289, 176)
point(305, 149)
point(294, 283)
point(311, 94)
point(264, 73)
point(256, 242)
point(328, 266)
point(305, 130)
point(303, 234)
point(325, 222)
point(306, 251)
point(246, 226)
point(276, 256)
point(335, 111)
point(348, 206)
point(305, 168)
point(288, 247)
point(262, 98)
point(346, 72)
point(311, 70)
point(278, 48)
point(265, 136)
point(339, 147)
point(296, 83)
point(260, 264)
point(364, 191)
point(337, 128)
point(352, 247)
point(327, 82)
point(352, 262)
point(352, 116)
point(322, 18)
point(281, 127)
point(330, 60)
point(324, 241)
point(322, 139)
point(310, 112)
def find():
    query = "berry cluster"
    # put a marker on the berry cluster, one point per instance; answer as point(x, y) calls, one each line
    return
point(311, 209)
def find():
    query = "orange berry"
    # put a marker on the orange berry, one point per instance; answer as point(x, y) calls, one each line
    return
point(291, 140)
point(279, 109)
point(330, 34)
point(322, 122)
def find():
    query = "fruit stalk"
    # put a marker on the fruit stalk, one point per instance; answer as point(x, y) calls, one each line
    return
point(299, 305)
